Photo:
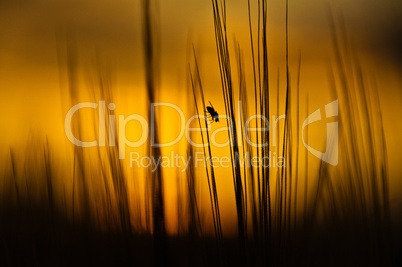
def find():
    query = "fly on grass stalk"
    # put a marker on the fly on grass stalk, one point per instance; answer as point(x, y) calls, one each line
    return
point(219, 14)
point(210, 173)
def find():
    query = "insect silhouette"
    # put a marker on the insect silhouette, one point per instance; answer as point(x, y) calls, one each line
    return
point(212, 113)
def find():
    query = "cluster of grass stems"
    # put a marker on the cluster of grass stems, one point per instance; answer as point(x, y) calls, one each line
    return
point(353, 196)
point(277, 219)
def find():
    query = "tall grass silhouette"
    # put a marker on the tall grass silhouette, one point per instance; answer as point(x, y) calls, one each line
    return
point(363, 181)
point(295, 213)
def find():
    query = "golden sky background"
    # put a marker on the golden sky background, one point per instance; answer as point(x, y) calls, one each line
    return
point(32, 84)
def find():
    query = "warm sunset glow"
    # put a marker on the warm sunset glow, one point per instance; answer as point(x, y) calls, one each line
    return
point(79, 81)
